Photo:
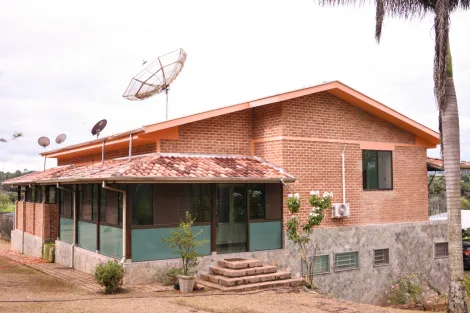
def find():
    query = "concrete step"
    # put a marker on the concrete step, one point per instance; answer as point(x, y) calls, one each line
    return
point(245, 280)
point(285, 283)
point(230, 272)
point(239, 263)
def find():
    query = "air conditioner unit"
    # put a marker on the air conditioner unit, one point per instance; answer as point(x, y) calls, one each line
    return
point(339, 210)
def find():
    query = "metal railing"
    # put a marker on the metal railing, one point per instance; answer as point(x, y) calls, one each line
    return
point(437, 205)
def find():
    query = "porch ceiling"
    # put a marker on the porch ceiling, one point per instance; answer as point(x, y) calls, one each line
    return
point(159, 167)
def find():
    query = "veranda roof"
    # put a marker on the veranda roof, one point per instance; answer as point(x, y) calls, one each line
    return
point(159, 167)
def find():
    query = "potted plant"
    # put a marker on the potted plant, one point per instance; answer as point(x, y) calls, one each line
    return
point(185, 243)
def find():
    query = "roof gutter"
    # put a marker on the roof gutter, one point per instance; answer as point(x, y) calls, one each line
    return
point(127, 179)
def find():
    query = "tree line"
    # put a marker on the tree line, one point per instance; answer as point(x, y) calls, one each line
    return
point(8, 194)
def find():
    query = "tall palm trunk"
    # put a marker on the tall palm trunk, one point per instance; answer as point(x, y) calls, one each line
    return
point(449, 115)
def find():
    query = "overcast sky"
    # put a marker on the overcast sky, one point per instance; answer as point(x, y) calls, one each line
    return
point(66, 64)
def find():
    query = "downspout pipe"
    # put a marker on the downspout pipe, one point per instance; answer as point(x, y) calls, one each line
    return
point(124, 218)
point(72, 261)
point(344, 174)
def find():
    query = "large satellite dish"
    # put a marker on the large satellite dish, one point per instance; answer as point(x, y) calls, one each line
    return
point(98, 128)
point(156, 77)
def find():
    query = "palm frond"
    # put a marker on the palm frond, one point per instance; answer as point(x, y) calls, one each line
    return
point(379, 18)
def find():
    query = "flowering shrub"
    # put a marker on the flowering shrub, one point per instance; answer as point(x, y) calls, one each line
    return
point(301, 237)
point(293, 202)
point(407, 289)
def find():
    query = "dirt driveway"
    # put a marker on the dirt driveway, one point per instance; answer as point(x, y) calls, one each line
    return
point(23, 289)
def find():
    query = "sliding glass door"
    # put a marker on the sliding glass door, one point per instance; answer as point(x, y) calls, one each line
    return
point(232, 217)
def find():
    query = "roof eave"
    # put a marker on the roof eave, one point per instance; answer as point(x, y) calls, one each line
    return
point(133, 179)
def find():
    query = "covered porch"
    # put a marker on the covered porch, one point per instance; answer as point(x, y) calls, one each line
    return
point(123, 209)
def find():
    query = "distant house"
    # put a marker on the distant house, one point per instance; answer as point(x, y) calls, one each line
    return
point(232, 168)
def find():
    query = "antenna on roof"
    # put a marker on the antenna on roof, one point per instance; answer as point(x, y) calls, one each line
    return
point(156, 77)
point(98, 128)
point(44, 142)
point(60, 139)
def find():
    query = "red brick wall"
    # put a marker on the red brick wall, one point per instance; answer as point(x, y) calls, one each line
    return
point(19, 215)
point(29, 217)
point(267, 121)
point(96, 158)
point(325, 116)
point(226, 134)
point(38, 222)
point(51, 222)
point(317, 164)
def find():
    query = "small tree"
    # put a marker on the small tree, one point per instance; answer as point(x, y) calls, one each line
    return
point(302, 236)
point(185, 243)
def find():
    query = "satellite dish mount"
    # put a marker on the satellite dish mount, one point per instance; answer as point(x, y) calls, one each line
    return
point(44, 142)
point(156, 77)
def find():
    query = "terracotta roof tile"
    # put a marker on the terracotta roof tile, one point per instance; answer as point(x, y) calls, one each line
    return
point(162, 167)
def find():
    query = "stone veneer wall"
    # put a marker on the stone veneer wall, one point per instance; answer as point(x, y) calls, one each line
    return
point(411, 250)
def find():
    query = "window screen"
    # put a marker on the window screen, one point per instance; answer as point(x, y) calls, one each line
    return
point(66, 203)
point(346, 261)
point(377, 170)
point(142, 204)
point(257, 201)
point(201, 202)
point(51, 195)
point(381, 257)
point(441, 250)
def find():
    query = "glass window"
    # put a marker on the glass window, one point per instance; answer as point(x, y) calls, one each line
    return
point(85, 202)
point(257, 201)
point(381, 257)
point(95, 198)
point(111, 207)
point(377, 170)
point(321, 266)
point(142, 205)
point(29, 194)
point(51, 195)
point(103, 208)
point(346, 261)
point(39, 194)
point(240, 203)
point(441, 250)
point(201, 202)
point(66, 203)
point(171, 201)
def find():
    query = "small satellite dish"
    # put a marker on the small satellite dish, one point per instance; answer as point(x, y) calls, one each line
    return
point(156, 77)
point(44, 142)
point(60, 139)
point(98, 128)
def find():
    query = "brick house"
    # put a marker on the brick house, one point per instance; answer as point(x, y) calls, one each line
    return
point(116, 197)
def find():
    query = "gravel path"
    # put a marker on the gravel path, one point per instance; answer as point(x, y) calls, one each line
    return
point(20, 284)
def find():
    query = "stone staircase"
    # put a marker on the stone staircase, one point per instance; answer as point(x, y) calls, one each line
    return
point(246, 274)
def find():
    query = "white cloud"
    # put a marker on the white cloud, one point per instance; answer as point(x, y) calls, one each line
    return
point(63, 64)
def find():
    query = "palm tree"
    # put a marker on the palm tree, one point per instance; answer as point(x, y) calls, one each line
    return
point(15, 136)
point(444, 90)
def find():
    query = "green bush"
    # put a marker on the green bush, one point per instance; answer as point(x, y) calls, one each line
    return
point(466, 284)
point(167, 276)
point(48, 252)
point(109, 275)
point(407, 289)
point(464, 204)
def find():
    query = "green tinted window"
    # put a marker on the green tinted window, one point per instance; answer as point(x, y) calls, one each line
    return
point(377, 170)
point(142, 205)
